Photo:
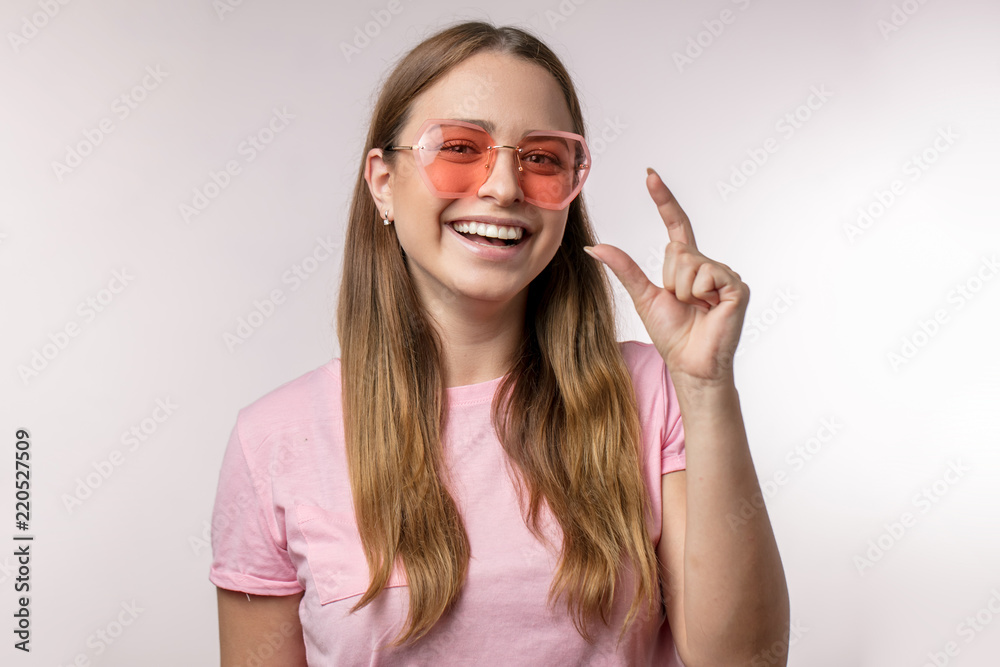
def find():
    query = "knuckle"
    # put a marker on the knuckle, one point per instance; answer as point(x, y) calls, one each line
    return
point(689, 259)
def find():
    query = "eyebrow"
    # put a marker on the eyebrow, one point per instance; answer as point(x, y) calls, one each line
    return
point(487, 125)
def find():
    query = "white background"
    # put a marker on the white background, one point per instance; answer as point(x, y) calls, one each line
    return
point(827, 307)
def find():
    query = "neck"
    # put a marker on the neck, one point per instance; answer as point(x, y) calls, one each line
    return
point(479, 338)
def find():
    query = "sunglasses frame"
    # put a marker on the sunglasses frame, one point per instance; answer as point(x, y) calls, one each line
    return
point(583, 170)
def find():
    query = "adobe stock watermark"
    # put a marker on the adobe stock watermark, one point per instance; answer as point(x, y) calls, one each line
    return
point(270, 643)
point(105, 636)
point(786, 126)
point(469, 104)
point(653, 264)
point(555, 15)
point(609, 133)
point(796, 459)
point(713, 29)
point(913, 169)
point(295, 276)
point(132, 439)
point(222, 518)
point(900, 16)
point(765, 319)
point(923, 501)
point(928, 328)
point(202, 542)
point(8, 568)
point(224, 515)
point(59, 340)
point(248, 149)
point(970, 627)
point(224, 7)
point(440, 651)
point(33, 24)
point(364, 34)
point(775, 654)
point(122, 107)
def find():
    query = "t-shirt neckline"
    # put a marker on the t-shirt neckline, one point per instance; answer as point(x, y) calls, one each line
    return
point(479, 392)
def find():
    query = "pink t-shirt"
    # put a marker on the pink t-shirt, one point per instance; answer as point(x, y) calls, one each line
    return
point(284, 522)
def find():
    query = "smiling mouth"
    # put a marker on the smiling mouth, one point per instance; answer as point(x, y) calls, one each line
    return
point(490, 241)
point(487, 240)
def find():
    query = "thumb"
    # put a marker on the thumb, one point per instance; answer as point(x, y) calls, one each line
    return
point(628, 272)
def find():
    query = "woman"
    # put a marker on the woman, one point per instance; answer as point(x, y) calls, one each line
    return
point(485, 476)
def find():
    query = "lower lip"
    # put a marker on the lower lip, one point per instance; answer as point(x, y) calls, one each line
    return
point(494, 252)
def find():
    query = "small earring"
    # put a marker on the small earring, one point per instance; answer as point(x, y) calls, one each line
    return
point(385, 216)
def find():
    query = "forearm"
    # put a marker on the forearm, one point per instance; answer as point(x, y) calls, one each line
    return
point(735, 594)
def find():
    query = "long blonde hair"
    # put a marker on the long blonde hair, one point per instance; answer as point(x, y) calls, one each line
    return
point(565, 414)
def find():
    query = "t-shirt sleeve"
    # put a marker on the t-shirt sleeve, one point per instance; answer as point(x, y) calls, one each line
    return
point(247, 555)
point(672, 455)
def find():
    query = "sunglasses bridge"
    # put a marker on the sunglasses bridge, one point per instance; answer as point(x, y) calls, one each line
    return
point(491, 156)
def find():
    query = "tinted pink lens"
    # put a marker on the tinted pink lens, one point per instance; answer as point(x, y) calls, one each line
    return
point(455, 159)
point(548, 163)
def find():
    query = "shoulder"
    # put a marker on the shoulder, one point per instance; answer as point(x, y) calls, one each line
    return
point(655, 395)
point(302, 403)
point(644, 364)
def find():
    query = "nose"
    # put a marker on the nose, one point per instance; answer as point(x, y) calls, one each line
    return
point(502, 180)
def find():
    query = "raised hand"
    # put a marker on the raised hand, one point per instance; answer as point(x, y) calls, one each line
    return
point(695, 319)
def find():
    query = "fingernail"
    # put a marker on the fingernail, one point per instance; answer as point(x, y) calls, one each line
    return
point(649, 170)
point(587, 248)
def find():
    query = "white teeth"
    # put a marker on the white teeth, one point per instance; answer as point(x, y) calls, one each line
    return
point(494, 231)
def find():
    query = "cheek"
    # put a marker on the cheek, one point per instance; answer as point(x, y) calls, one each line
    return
point(414, 206)
point(419, 222)
point(554, 227)
point(539, 219)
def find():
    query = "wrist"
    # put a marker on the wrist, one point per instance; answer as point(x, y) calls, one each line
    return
point(699, 385)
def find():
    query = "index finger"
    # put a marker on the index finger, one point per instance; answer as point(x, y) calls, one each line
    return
point(677, 222)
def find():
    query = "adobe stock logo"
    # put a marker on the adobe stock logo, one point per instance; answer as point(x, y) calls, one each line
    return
point(59, 339)
point(924, 500)
point(556, 14)
point(765, 319)
point(928, 328)
point(787, 125)
point(703, 40)
point(122, 107)
point(296, 275)
point(252, 146)
point(30, 26)
point(101, 639)
point(900, 16)
point(363, 35)
point(608, 134)
point(104, 468)
point(797, 458)
point(968, 629)
point(914, 169)
point(223, 7)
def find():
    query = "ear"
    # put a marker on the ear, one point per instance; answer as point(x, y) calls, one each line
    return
point(377, 175)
